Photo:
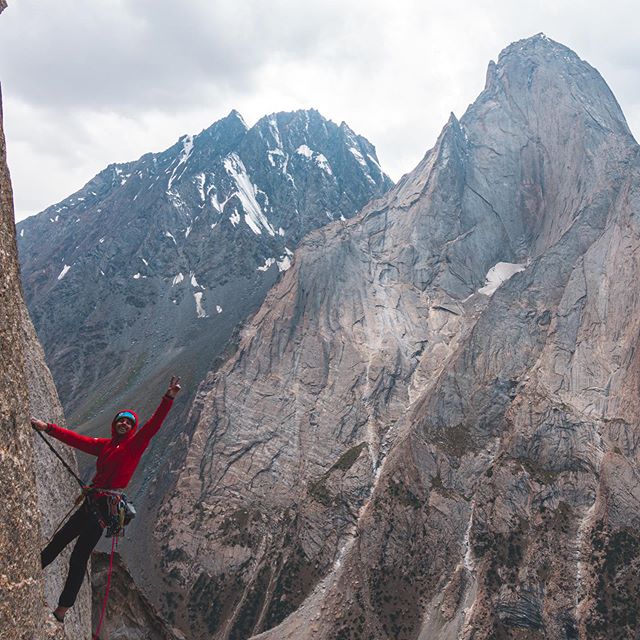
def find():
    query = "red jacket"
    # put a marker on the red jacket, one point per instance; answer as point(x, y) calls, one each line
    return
point(119, 455)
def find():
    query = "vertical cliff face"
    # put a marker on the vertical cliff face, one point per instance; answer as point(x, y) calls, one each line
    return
point(56, 489)
point(400, 449)
point(36, 490)
point(19, 533)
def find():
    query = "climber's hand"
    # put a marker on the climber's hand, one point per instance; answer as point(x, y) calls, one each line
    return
point(174, 387)
point(38, 424)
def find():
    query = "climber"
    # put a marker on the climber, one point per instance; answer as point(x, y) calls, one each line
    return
point(117, 459)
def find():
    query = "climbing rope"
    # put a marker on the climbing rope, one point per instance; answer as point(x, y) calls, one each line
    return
point(70, 470)
point(66, 517)
point(66, 466)
point(96, 635)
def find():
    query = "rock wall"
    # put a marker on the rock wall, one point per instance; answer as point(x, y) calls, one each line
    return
point(56, 489)
point(20, 583)
point(37, 490)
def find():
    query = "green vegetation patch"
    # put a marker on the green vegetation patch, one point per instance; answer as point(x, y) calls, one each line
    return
point(238, 528)
point(455, 440)
point(404, 495)
point(212, 600)
point(616, 563)
point(348, 458)
point(247, 618)
point(538, 472)
point(319, 491)
point(505, 552)
point(298, 575)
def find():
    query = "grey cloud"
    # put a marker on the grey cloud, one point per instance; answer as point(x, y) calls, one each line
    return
point(146, 71)
point(153, 54)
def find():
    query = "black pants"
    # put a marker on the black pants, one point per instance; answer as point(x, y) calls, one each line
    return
point(83, 524)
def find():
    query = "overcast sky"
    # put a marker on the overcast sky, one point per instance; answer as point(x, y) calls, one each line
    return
point(89, 83)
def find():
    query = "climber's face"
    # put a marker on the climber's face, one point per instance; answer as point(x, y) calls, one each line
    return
point(123, 425)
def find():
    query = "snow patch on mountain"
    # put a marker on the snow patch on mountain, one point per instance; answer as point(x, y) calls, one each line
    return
point(246, 193)
point(199, 182)
point(323, 163)
point(499, 274)
point(319, 158)
point(374, 161)
point(218, 206)
point(274, 152)
point(304, 150)
point(187, 148)
point(123, 177)
point(275, 132)
point(200, 312)
point(284, 262)
point(63, 273)
point(267, 263)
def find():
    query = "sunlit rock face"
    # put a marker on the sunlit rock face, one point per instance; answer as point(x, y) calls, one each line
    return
point(150, 267)
point(429, 429)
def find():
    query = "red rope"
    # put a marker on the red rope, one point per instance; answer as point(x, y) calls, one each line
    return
point(96, 635)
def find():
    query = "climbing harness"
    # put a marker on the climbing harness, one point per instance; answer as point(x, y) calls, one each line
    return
point(117, 510)
point(118, 513)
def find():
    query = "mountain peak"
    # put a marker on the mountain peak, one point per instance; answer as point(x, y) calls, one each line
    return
point(226, 131)
point(538, 44)
point(544, 76)
point(234, 114)
point(542, 50)
point(233, 120)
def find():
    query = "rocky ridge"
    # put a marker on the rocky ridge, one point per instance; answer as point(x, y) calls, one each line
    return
point(400, 450)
